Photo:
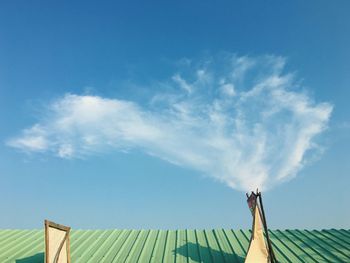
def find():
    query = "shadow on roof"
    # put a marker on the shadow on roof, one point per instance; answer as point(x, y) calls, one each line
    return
point(198, 253)
point(37, 258)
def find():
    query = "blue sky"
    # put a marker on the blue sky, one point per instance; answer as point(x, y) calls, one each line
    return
point(161, 115)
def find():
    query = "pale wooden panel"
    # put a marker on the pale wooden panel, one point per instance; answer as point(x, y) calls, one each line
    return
point(257, 252)
point(56, 236)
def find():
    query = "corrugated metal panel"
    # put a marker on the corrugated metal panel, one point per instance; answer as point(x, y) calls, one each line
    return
point(208, 246)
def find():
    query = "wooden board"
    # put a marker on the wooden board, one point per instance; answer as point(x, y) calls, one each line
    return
point(57, 246)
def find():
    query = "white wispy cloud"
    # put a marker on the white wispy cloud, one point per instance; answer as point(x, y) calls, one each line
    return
point(182, 83)
point(240, 120)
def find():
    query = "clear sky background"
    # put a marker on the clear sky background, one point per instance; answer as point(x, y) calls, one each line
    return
point(131, 51)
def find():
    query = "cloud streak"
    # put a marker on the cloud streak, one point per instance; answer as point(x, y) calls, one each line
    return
point(240, 120)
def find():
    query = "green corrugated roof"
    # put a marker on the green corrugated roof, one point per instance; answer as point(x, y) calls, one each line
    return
point(27, 246)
